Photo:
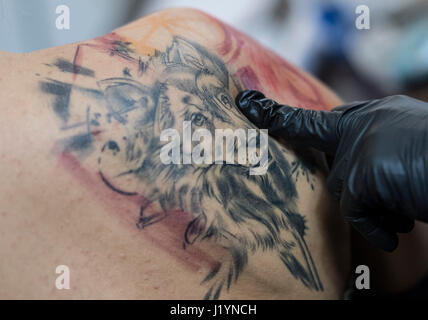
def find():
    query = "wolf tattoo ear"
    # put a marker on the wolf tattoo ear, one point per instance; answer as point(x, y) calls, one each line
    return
point(183, 52)
point(190, 55)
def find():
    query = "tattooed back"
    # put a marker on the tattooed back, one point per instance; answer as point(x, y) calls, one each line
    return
point(84, 183)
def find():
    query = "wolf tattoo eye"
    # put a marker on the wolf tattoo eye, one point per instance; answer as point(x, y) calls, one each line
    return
point(244, 213)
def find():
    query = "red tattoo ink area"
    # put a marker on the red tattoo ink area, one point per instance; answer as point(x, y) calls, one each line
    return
point(268, 72)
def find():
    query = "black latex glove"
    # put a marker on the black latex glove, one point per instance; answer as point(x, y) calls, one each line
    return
point(380, 149)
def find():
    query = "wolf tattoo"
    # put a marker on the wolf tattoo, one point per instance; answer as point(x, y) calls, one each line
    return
point(244, 213)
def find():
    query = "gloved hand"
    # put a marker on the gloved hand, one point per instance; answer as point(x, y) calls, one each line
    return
point(380, 149)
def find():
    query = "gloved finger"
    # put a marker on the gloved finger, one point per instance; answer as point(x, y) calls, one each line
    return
point(336, 176)
point(352, 105)
point(310, 128)
point(367, 222)
point(330, 160)
point(246, 95)
point(256, 107)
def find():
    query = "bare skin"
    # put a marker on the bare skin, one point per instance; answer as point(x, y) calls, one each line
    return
point(65, 198)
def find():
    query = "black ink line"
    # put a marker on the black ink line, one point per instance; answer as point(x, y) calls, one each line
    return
point(66, 66)
point(108, 184)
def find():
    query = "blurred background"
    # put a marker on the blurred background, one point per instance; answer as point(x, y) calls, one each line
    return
point(319, 36)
